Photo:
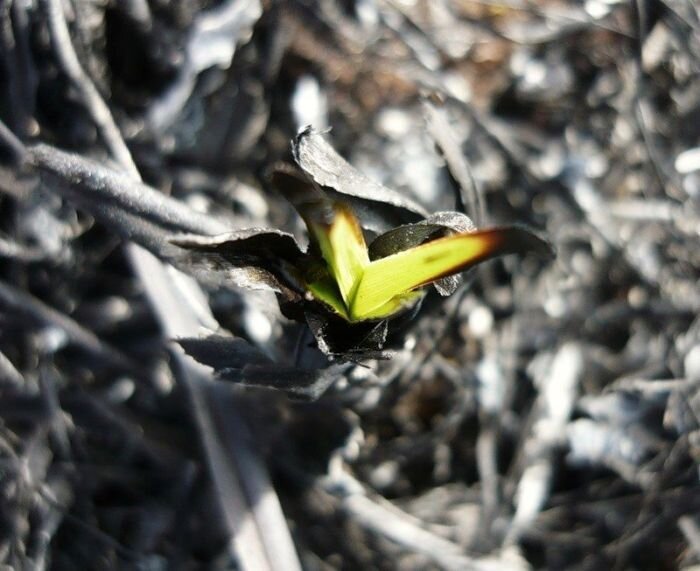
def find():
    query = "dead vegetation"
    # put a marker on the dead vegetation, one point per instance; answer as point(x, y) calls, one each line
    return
point(546, 415)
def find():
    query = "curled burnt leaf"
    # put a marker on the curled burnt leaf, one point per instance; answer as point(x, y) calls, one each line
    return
point(221, 352)
point(252, 258)
point(235, 360)
point(378, 207)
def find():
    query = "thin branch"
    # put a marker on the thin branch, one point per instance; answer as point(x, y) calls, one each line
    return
point(9, 373)
point(33, 308)
point(92, 185)
point(386, 520)
point(88, 92)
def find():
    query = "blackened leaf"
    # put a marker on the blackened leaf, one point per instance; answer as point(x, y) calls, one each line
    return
point(448, 285)
point(221, 352)
point(328, 169)
point(235, 360)
point(241, 246)
point(403, 238)
point(306, 197)
point(456, 221)
point(369, 199)
point(408, 236)
point(252, 258)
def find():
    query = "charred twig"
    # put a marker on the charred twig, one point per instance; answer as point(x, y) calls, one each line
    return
point(33, 308)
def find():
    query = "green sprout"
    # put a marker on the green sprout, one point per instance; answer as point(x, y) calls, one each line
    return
point(347, 288)
point(360, 289)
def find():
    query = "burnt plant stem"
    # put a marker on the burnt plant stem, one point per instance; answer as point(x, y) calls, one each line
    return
point(91, 98)
point(91, 184)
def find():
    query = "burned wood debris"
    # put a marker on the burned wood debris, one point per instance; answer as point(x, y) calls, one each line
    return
point(164, 411)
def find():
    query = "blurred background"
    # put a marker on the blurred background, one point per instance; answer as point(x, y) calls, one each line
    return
point(547, 416)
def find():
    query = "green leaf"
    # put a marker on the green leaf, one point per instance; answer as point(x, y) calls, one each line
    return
point(385, 279)
point(343, 247)
point(359, 290)
point(394, 305)
point(326, 291)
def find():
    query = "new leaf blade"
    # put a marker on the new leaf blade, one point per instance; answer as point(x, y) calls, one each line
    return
point(343, 247)
point(397, 274)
